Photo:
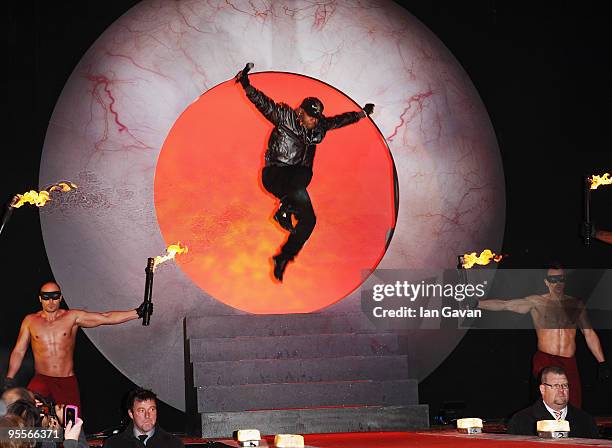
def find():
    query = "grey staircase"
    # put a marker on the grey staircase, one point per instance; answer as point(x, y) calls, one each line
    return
point(297, 373)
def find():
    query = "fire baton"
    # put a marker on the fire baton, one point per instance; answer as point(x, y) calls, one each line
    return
point(8, 212)
point(462, 274)
point(39, 199)
point(587, 211)
point(148, 292)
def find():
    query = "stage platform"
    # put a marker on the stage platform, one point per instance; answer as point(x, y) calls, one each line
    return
point(434, 438)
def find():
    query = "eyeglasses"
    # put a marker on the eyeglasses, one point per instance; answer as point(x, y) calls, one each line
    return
point(563, 386)
point(555, 278)
point(51, 295)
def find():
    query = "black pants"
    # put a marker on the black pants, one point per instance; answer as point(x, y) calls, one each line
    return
point(288, 183)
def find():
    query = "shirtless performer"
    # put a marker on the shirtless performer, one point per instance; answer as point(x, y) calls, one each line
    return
point(52, 333)
point(556, 316)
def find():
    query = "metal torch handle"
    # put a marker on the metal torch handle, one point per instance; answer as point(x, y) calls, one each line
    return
point(8, 212)
point(462, 274)
point(587, 210)
point(148, 293)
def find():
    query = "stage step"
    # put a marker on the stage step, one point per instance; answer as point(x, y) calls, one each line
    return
point(322, 420)
point(292, 347)
point(276, 325)
point(261, 371)
point(306, 395)
point(298, 373)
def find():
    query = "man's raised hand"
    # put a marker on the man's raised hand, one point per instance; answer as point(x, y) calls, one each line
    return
point(243, 75)
point(368, 109)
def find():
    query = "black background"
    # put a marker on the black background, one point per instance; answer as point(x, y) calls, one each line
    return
point(539, 67)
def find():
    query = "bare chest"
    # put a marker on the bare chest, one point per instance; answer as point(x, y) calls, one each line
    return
point(58, 331)
point(562, 314)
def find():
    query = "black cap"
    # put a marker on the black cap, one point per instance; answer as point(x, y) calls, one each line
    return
point(312, 106)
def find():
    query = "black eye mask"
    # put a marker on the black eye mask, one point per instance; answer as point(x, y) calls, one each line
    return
point(555, 278)
point(51, 295)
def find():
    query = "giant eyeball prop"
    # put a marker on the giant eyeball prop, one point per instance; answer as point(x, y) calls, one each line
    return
point(165, 147)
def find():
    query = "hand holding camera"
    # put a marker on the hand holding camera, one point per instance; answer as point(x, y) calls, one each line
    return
point(71, 414)
point(73, 430)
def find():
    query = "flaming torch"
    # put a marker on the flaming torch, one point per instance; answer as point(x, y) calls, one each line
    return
point(461, 274)
point(595, 181)
point(587, 210)
point(171, 252)
point(33, 197)
point(486, 256)
point(8, 212)
point(592, 183)
point(152, 263)
point(39, 199)
point(148, 292)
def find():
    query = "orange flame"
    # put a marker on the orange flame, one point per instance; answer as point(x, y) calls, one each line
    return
point(596, 181)
point(39, 199)
point(485, 257)
point(171, 252)
point(62, 186)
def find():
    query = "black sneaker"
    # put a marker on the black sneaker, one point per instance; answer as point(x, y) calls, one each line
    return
point(283, 218)
point(280, 263)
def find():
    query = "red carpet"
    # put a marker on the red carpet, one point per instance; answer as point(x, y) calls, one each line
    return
point(429, 439)
point(437, 439)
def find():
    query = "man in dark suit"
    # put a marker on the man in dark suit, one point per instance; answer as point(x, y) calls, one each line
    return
point(554, 405)
point(143, 431)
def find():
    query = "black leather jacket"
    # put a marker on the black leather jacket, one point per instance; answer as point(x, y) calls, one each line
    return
point(290, 143)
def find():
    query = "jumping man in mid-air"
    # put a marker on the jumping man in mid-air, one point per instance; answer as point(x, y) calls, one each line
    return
point(289, 159)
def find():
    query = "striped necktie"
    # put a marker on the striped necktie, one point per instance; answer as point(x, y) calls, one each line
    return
point(557, 415)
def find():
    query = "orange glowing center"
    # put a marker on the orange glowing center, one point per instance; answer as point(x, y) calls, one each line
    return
point(596, 181)
point(485, 257)
point(208, 191)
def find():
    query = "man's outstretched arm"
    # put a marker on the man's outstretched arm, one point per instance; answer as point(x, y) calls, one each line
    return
point(590, 231)
point(264, 104)
point(604, 235)
point(338, 121)
point(87, 319)
point(521, 306)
